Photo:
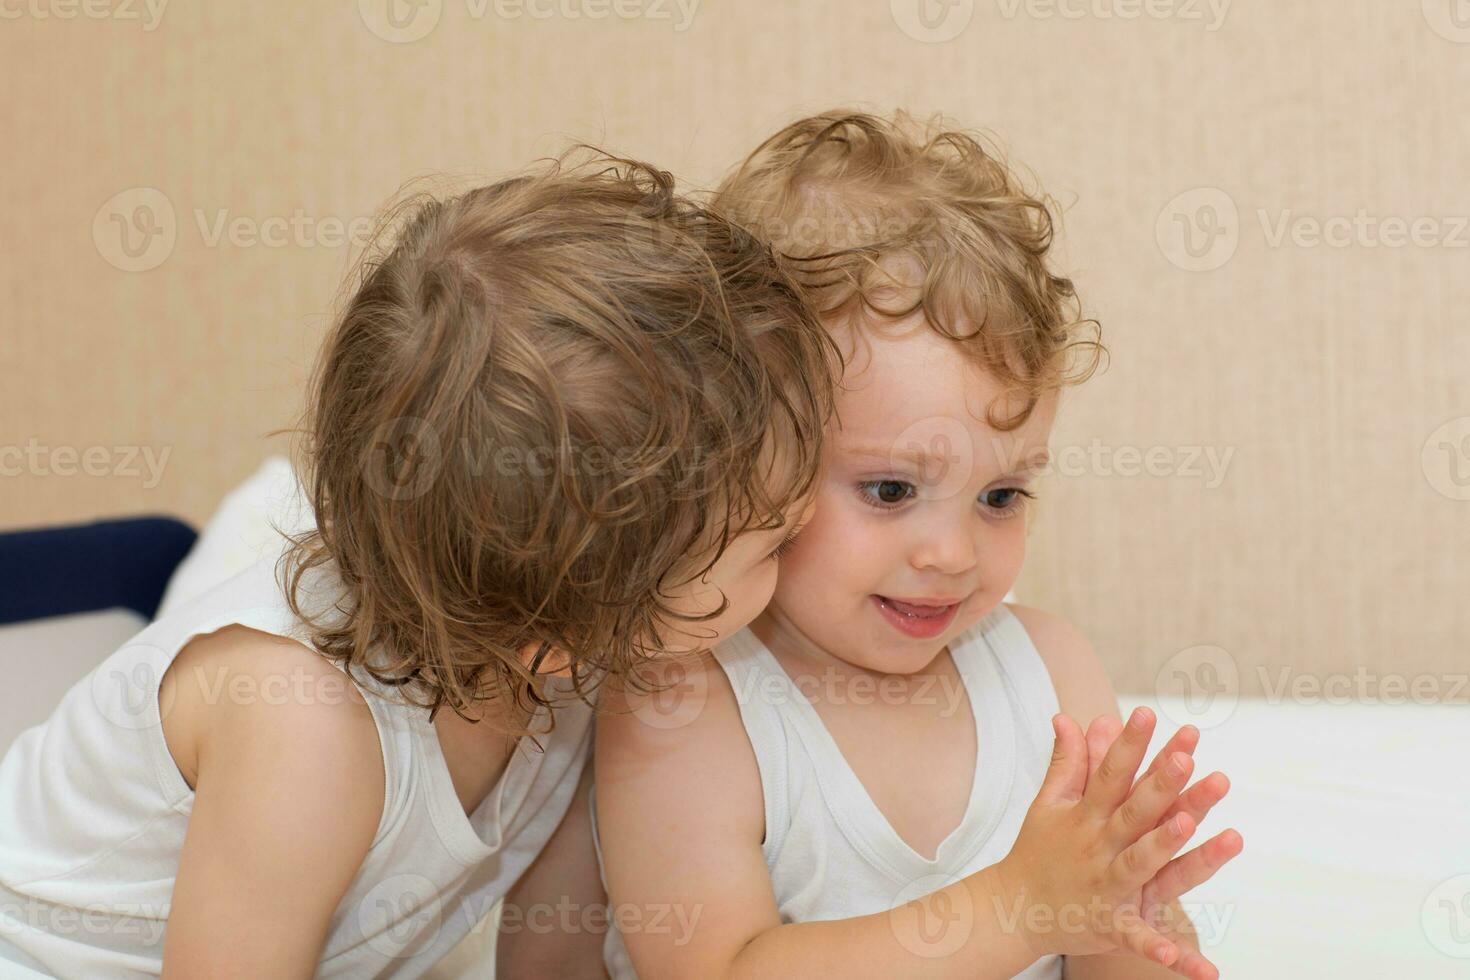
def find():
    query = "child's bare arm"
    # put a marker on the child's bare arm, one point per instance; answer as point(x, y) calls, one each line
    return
point(680, 811)
point(288, 796)
point(553, 920)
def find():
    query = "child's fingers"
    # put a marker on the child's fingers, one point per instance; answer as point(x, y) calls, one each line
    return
point(1194, 965)
point(1200, 799)
point(1136, 936)
point(1101, 734)
point(1185, 740)
point(1114, 777)
point(1067, 774)
point(1141, 861)
point(1149, 801)
point(1105, 729)
point(1194, 868)
point(1158, 948)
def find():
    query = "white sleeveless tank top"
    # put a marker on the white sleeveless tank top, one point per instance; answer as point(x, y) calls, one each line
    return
point(830, 851)
point(93, 813)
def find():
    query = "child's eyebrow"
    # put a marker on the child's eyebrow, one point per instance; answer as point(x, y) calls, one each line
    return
point(1032, 462)
point(911, 453)
point(1024, 463)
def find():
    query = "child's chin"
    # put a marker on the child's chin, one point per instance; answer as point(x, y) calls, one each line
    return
point(901, 660)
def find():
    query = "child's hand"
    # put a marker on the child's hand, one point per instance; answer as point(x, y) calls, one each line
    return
point(1184, 873)
point(1093, 842)
point(1201, 863)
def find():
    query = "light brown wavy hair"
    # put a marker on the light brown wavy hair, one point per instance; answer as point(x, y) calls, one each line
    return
point(545, 403)
point(883, 217)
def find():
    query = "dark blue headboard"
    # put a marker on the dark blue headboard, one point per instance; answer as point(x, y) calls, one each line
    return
point(56, 571)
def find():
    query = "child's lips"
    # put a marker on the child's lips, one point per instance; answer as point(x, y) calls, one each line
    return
point(920, 607)
point(922, 618)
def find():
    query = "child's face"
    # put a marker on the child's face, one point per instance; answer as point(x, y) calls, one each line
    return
point(745, 575)
point(920, 524)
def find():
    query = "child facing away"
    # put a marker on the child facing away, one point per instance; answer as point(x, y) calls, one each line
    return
point(562, 423)
point(880, 777)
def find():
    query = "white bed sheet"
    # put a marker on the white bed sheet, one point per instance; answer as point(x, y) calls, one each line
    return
point(1355, 820)
point(1357, 858)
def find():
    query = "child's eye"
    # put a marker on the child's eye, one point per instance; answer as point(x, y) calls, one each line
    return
point(781, 550)
point(1006, 499)
point(885, 494)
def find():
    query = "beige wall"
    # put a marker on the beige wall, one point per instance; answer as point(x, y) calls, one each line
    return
point(1330, 543)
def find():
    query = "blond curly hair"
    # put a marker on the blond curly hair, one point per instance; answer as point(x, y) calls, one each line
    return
point(889, 216)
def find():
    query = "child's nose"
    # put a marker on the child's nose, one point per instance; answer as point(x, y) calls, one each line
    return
point(950, 550)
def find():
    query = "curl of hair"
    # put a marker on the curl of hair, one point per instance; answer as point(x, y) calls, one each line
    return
point(886, 217)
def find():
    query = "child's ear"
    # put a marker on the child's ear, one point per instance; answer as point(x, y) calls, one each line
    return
point(545, 660)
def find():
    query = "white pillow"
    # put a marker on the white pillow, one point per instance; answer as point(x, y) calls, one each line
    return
point(247, 527)
point(48, 656)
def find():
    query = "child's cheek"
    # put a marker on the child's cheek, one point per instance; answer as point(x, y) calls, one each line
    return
point(1005, 556)
point(770, 576)
point(747, 600)
point(835, 555)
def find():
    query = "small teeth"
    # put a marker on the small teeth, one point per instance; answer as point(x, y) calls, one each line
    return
point(935, 611)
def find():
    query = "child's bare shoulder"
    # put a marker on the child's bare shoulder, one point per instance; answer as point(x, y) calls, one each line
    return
point(1055, 637)
point(1082, 685)
point(675, 706)
point(239, 687)
point(681, 738)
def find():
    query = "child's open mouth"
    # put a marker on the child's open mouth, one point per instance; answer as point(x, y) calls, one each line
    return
point(915, 617)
